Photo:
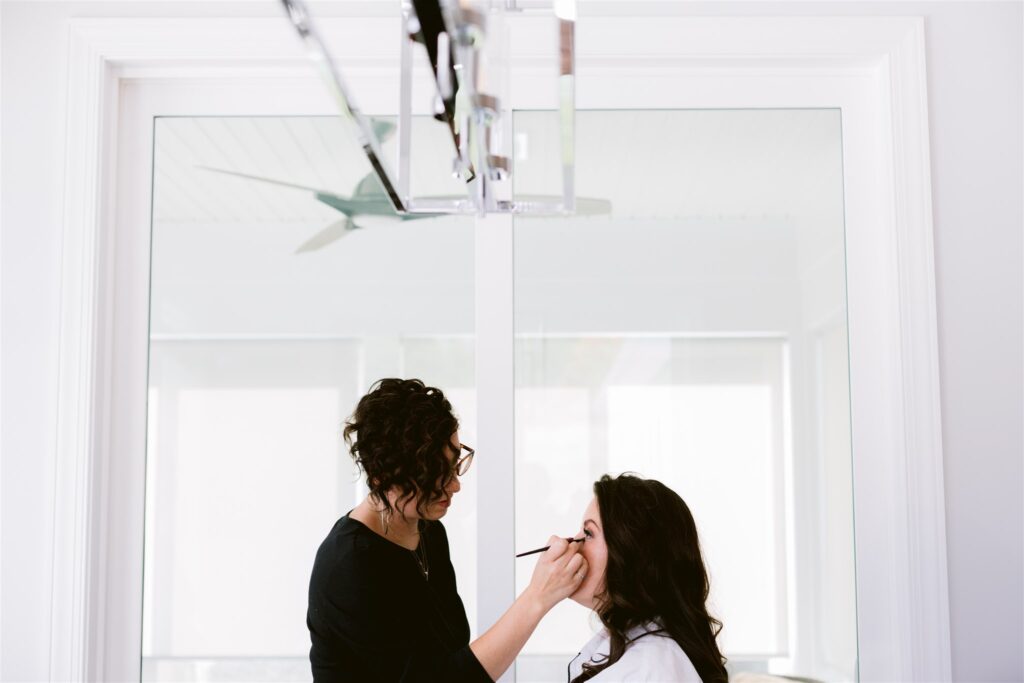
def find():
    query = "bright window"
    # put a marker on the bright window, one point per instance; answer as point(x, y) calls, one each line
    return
point(705, 417)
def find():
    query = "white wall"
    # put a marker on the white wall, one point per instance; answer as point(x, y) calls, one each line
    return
point(975, 62)
point(975, 94)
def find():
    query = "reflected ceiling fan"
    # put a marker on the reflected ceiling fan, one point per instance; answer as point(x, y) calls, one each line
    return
point(369, 199)
point(454, 34)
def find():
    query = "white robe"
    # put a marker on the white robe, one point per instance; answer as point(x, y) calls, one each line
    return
point(654, 658)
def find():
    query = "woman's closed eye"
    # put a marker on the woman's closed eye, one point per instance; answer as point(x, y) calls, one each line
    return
point(587, 533)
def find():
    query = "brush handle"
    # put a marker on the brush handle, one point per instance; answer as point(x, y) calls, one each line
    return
point(540, 550)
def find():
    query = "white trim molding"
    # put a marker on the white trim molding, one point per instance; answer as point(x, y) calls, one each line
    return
point(922, 419)
point(871, 68)
point(81, 417)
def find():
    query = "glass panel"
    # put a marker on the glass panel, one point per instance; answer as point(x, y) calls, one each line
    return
point(697, 335)
point(271, 314)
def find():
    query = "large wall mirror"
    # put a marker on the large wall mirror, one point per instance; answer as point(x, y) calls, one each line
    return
point(268, 321)
point(696, 335)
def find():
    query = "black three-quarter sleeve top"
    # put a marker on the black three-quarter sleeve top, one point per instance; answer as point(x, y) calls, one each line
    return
point(374, 618)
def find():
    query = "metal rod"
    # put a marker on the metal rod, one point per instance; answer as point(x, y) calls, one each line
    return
point(565, 11)
point(317, 51)
point(405, 108)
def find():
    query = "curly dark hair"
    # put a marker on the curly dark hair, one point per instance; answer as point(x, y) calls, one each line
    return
point(648, 580)
point(403, 431)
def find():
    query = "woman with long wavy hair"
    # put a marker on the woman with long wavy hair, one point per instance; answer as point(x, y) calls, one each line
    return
point(648, 584)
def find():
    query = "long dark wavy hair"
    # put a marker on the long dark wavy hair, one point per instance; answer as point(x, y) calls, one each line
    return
point(399, 435)
point(655, 572)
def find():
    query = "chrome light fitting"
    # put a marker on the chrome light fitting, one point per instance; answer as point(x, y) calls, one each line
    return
point(454, 33)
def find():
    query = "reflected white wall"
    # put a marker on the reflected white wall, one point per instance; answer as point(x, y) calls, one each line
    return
point(245, 475)
point(702, 327)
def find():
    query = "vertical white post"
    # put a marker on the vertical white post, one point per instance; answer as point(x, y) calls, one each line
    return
point(495, 381)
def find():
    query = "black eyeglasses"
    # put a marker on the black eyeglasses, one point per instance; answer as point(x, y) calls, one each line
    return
point(464, 460)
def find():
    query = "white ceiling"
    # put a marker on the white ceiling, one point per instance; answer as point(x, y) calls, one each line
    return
point(315, 151)
point(650, 163)
point(717, 217)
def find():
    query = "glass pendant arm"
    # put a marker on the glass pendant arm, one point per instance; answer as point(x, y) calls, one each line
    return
point(368, 141)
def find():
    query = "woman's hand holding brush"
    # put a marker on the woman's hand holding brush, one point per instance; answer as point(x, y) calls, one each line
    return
point(558, 573)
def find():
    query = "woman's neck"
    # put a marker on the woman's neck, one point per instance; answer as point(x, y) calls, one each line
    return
point(400, 531)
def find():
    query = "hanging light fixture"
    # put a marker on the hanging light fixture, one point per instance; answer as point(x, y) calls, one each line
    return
point(454, 34)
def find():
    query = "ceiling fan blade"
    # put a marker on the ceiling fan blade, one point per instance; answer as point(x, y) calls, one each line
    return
point(382, 129)
point(272, 181)
point(369, 186)
point(332, 233)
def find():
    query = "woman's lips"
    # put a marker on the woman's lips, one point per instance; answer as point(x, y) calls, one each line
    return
point(445, 503)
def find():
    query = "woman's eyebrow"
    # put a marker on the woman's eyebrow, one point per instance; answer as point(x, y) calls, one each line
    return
point(590, 521)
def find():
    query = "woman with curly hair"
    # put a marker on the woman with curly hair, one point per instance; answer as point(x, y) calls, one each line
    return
point(383, 602)
point(649, 587)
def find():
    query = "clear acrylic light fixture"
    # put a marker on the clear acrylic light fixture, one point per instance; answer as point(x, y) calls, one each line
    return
point(464, 43)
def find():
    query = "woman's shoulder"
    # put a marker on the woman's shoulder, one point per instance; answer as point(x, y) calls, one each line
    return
point(651, 657)
point(346, 535)
point(435, 531)
point(350, 547)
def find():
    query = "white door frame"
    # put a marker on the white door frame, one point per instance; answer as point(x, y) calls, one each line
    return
point(871, 68)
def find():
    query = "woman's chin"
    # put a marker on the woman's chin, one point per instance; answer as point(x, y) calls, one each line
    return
point(438, 510)
point(585, 596)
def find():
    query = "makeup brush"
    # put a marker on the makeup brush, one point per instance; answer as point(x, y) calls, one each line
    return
point(540, 550)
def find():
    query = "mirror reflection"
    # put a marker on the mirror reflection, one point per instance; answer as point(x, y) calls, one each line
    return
point(695, 335)
point(261, 343)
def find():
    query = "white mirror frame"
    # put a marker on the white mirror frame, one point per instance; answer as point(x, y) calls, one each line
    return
point(871, 68)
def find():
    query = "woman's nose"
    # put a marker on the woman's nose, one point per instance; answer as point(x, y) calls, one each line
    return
point(454, 486)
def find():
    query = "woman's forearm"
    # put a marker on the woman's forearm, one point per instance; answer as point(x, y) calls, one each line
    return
point(500, 645)
point(557, 574)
